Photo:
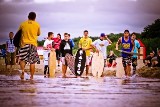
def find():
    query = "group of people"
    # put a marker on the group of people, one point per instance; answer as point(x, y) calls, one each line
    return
point(27, 52)
point(153, 60)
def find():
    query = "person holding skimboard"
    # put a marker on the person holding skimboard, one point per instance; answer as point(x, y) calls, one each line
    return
point(47, 48)
point(28, 44)
point(86, 44)
point(65, 47)
point(128, 46)
point(101, 44)
point(136, 50)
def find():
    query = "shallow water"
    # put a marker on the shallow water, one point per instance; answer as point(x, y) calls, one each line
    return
point(79, 92)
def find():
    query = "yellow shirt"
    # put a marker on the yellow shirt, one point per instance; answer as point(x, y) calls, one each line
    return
point(30, 32)
point(86, 43)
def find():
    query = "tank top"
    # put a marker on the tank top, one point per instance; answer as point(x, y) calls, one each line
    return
point(126, 46)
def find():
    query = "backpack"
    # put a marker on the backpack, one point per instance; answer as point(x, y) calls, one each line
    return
point(17, 38)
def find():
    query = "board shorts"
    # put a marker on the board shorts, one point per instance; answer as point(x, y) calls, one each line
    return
point(58, 54)
point(134, 61)
point(28, 53)
point(10, 58)
point(126, 61)
point(63, 60)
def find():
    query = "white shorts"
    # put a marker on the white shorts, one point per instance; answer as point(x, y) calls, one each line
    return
point(87, 60)
point(45, 57)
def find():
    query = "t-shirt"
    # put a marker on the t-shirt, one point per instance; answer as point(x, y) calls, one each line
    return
point(30, 32)
point(48, 44)
point(57, 42)
point(10, 46)
point(86, 43)
point(137, 46)
point(101, 48)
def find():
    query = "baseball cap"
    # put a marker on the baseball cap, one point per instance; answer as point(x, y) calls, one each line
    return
point(102, 35)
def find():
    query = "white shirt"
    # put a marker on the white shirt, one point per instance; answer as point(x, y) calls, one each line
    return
point(47, 44)
point(67, 47)
point(103, 49)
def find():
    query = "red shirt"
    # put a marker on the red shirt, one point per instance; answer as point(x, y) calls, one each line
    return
point(57, 43)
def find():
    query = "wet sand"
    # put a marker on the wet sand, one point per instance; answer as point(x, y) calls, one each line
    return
point(77, 92)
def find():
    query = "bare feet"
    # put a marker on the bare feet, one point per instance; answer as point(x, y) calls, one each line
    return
point(64, 76)
point(22, 76)
point(31, 77)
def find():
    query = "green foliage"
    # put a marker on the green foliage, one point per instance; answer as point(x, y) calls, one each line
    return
point(3, 46)
point(151, 44)
point(153, 30)
point(40, 43)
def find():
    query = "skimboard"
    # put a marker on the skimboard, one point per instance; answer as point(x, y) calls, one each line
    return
point(52, 64)
point(131, 53)
point(80, 62)
point(97, 64)
point(70, 62)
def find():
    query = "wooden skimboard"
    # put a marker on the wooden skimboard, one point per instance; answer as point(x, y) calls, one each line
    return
point(52, 64)
point(97, 64)
point(119, 68)
point(131, 53)
point(80, 62)
point(70, 62)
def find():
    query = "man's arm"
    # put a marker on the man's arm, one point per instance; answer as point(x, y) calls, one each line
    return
point(80, 44)
point(118, 43)
point(39, 31)
point(110, 42)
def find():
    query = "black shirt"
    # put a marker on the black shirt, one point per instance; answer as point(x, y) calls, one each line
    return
point(65, 47)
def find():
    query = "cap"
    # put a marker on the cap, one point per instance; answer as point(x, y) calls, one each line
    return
point(102, 35)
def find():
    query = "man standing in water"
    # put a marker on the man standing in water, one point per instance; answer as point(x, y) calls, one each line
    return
point(136, 50)
point(101, 44)
point(65, 47)
point(86, 44)
point(128, 46)
point(28, 45)
point(10, 48)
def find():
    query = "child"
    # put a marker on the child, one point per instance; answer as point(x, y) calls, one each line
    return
point(48, 44)
point(111, 60)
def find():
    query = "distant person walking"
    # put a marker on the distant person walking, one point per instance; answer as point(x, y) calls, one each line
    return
point(71, 40)
point(57, 42)
point(101, 44)
point(136, 50)
point(47, 48)
point(86, 44)
point(10, 51)
point(65, 47)
point(28, 45)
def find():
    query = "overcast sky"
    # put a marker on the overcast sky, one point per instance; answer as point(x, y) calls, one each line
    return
point(75, 16)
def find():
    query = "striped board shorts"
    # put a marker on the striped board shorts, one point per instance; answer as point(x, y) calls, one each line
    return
point(29, 54)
